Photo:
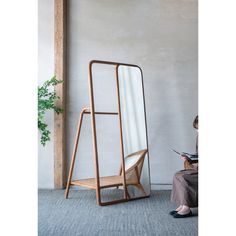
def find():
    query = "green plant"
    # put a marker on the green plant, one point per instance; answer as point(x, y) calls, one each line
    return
point(46, 101)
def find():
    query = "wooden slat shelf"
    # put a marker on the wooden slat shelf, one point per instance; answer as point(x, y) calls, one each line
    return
point(105, 182)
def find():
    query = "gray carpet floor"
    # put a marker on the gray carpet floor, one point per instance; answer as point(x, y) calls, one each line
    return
point(79, 215)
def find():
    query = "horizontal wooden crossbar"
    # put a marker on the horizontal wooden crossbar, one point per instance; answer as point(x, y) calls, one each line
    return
point(102, 113)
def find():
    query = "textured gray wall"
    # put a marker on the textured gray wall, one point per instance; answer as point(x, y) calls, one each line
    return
point(161, 37)
point(158, 35)
point(45, 72)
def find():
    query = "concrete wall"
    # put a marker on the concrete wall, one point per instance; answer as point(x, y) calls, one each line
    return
point(45, 72)
point(161, 37)
point(158, 35)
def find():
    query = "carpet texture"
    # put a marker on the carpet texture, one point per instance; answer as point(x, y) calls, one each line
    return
point(79, 215)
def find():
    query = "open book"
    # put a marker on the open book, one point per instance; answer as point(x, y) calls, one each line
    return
point(190, 157)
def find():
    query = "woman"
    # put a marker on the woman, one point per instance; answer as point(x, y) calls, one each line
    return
point(185, 186)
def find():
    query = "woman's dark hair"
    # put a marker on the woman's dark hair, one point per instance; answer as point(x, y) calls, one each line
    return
point(195, 122)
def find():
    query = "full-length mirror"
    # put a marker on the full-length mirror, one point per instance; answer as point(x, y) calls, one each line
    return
point(134, 130)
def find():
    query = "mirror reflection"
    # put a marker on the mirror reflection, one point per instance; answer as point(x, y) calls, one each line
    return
point(134, 131)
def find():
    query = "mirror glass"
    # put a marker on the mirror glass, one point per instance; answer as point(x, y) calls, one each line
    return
point(134, 131)
point(131, 161)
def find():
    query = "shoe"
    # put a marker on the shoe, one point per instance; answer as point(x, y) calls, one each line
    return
point(172, 212)
point(176, 215)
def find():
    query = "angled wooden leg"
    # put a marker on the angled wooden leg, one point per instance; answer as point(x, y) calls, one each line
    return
point(140, 187)
point(74, 152)
point(127, 194)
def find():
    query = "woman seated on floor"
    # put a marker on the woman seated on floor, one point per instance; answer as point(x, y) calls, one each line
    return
point(185, 186)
